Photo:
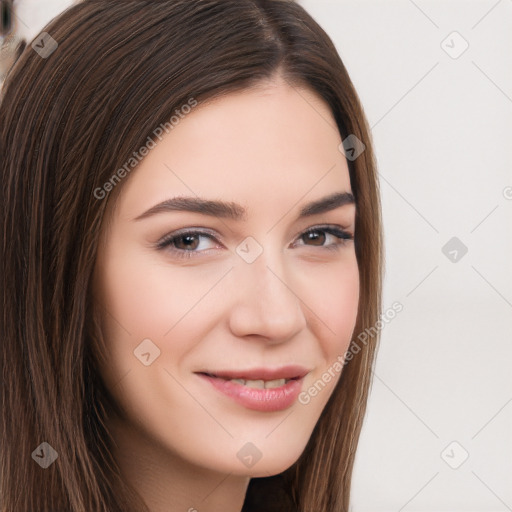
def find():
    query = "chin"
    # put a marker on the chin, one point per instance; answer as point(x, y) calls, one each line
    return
point(271, 464)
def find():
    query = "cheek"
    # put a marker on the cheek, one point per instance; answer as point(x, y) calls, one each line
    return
point(148, 297)
point(333, 298)
point(145, 298)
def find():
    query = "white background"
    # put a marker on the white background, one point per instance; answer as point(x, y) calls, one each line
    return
point(442, 129)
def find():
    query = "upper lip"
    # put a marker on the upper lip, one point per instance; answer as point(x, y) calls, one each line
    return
point(283, 372)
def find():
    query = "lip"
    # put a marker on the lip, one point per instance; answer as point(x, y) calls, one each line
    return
point(263, 400)
point(283, 372)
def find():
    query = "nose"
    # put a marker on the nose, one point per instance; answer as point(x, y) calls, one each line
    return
point(264, 301)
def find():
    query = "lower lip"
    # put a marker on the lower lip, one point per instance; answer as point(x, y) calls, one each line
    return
point(265, 400)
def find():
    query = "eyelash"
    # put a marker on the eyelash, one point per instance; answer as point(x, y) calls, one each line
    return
point(167, 241)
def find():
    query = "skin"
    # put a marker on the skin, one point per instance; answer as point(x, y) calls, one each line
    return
point(272, 149)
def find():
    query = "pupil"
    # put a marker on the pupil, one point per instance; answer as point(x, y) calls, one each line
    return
point(314, 237)
point(188, 238)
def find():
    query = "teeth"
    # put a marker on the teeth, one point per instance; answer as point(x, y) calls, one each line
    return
point(261, 384)
point(275, 383)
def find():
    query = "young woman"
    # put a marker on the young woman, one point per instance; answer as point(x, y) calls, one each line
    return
point(191, 245)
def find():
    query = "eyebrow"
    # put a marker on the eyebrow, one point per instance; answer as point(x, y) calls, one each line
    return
point(237, 212)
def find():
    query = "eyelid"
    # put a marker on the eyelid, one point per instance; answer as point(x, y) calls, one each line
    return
point(189, 230)
point(333, 229)
point(328, 228)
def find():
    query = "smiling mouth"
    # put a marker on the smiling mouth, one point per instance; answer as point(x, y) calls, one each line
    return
point(254, 383)
point(263, 389)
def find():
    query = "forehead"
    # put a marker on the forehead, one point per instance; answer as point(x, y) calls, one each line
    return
point(274, 143)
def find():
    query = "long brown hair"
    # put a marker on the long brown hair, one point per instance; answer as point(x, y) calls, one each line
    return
point(68, 121)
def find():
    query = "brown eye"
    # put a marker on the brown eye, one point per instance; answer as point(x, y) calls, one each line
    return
point(190, 242)
point(184, 244)
point(315, 237)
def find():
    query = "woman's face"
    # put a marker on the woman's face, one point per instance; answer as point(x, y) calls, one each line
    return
point(250, 293)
